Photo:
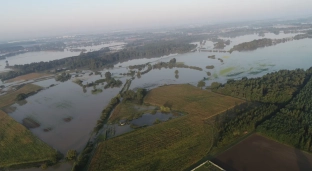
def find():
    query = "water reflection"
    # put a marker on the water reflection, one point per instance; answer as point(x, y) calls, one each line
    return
point(127, 126)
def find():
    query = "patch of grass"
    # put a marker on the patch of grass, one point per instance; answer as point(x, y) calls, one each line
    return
point(18, 146)
point(172, 145)
point(96, 91)
point(215, 75)
point(226, 70)
point(30, 76)
point(10, 98)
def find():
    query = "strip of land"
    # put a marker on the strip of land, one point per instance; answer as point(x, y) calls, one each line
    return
point(18, 146)
point(28, 77)
point(10, 98)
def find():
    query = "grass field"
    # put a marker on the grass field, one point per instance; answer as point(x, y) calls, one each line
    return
point(171, 145)
point(28, 77)
point(10, 98)
point(19, 146)
point(257, 153)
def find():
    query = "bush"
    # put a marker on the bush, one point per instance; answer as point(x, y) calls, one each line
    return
point(71, 155)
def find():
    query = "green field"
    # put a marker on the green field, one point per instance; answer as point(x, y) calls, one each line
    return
point(10, 98)
point(18, 146)
point(172, 145)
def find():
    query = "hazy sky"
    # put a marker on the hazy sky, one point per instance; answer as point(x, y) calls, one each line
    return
point(26, 18)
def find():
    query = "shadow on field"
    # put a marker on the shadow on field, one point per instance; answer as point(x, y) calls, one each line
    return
point(302, 161)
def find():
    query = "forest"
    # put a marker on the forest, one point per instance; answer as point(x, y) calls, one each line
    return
point(102, 58)
point(293, 123)
point(277, 87)
point(283, 110)
point(245, 121)
point(253, 45)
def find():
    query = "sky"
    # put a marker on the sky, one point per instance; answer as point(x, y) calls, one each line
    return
point(37, 18)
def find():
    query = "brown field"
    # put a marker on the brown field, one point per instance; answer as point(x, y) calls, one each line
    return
point(172, 145)
point(257, 153)
point(19, 146)
point(10, 98)
point(28, 77)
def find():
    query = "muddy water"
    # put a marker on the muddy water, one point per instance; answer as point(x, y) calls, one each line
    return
point(66, 114)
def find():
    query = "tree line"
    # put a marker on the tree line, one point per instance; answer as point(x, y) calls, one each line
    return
point(102, 58)
point(277, 87)
point(283, 112)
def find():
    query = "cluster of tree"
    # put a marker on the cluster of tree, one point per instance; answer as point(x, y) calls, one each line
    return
point(62, 77)
point(102, 58)
point(303, 36)
point(105, 113)
point(209, 67)
point(173, 64)
point(21, 96)
point(253, 45)
point(71, 155)
point(201, 84)
point(84, 157)
point(212, 56)
point(111, 83)
point(220, 43)
point(134, 97)
point(138, 67)
point(244, 120)
point(277, 87)
point(293, 123)
point(149, 68)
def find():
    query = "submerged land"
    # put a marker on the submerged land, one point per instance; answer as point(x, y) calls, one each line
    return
point(159, 103)
point(20, 148)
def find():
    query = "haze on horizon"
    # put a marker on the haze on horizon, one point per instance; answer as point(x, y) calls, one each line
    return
point(36, 18)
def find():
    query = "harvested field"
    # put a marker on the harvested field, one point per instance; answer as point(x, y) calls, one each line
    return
point(19, 146)
point(28, 77)
point(172, 145)
point(8, 99)
point(257, 153)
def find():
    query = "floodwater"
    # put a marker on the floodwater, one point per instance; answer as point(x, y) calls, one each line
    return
point(146, 120)
point(66, 114)
point(70, 114)
point(45, 56)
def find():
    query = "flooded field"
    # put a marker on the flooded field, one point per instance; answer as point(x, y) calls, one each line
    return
point(65, 114)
